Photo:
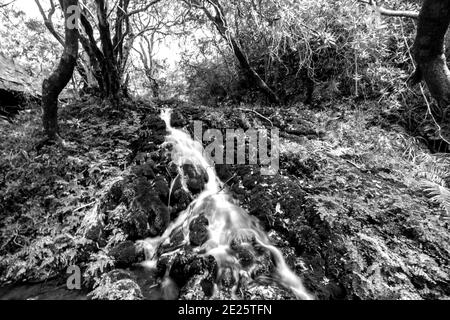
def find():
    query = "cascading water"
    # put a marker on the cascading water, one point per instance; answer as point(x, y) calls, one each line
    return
point(228, 222)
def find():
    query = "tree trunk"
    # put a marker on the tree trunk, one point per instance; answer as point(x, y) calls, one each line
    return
point(429, 49)
point(110, 70)
point(252, 76)
point(53, 85)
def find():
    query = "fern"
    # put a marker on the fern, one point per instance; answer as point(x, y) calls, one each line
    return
point(438, 193)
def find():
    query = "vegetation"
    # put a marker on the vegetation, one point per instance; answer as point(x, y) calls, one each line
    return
point(358, 89)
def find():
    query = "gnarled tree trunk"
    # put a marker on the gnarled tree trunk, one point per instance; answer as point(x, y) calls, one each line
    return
point(429, 49)
point(52, 86)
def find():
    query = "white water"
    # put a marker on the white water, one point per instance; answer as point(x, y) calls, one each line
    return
point(227, 221)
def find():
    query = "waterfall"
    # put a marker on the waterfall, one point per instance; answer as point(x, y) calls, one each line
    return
point(227, 221)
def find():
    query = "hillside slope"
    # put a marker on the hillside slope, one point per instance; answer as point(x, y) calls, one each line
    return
point(347, 208)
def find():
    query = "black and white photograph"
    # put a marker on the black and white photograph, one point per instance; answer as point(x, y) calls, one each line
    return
point(233, 157)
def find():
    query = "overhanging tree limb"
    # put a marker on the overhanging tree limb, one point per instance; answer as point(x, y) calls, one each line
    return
point(7, 4)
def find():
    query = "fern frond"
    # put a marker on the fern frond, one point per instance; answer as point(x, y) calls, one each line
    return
point(438, 193)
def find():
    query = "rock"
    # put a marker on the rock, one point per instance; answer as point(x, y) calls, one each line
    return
point(94, 231)
point(178, 120)
point(126, 254)
point(187, 265)
point(267, 292)
point(17, 88)
point(158, 215)
point(200, 287)
point(145, 170)
point(114, 196)
point(225, 173)
point(262, 208)
point(196, 178)
point(119, 274)
point(198, 231)
point(136, 223)
point(172, 168)
point(179, 200)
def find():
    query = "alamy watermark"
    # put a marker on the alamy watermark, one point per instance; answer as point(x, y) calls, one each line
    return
point(74, 15)
point(74, 280)
point(251, 147)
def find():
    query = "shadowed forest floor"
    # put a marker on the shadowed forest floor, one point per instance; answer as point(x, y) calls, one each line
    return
point(347, 208)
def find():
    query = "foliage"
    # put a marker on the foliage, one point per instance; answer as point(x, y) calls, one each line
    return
point(433, 175)
point(25, 40)
point(45, 191)
point(343, 47)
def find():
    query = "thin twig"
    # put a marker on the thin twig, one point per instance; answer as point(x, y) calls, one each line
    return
point(85, 206)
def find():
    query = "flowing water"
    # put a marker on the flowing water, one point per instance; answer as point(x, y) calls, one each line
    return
point(227, 221)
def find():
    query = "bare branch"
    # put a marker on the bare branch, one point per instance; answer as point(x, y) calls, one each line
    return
point(391, 13)
point(7, 4)
point(48, 21)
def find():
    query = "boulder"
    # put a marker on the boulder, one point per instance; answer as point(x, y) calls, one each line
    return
point(198, 231)
point(126, 254)
point(161, 187)
point(196, 177)
point(187, 265)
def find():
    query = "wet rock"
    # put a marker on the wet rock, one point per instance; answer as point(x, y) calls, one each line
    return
point(250, 181)
point(198, 231)
point(262, 208)
point(187, 265)
point(179, 200)
point(178, 120)
point(162, 188)
point(157, 213)
point(125, 289)
point(245, 256)
point(196, 178)
point(300, 167)
point(224, 172)
point(126, 254)
point(136, 223)
point(145, 170)
point(227, 278)
point(267, 292)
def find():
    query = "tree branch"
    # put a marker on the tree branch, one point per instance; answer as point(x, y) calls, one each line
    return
point(7, 4)
point(391, 13)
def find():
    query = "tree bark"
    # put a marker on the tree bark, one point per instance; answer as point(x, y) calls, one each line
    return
point(111, 70)
point(429, 49)
point(57, 81)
